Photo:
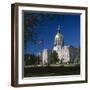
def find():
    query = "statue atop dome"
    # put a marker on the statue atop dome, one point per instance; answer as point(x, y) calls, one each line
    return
point(58, 27)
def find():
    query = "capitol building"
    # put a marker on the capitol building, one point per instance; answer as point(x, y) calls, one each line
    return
point(66, 53)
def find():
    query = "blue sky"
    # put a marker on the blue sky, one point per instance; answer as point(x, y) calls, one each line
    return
point(47, 29)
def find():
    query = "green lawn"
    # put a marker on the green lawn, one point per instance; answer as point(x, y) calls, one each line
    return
point(52, 70)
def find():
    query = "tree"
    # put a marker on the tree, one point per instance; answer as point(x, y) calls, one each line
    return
point(38, 60)
point(54, 57)
point(31, 21)
point(31, 59)
point(29, 28)
point(78, 55)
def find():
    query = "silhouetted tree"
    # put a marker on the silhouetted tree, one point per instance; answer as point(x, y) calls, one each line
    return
point(31, 21)
point(78, 55)
point(54, 57)
point(31, 59)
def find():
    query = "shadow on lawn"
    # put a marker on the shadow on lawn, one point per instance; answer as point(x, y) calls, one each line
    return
point(51, 71)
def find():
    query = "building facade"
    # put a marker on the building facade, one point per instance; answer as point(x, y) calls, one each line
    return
point(65, 53)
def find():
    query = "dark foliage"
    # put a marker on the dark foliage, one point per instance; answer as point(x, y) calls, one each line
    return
point(54, 57)
point(31, 59)
point(31, 21)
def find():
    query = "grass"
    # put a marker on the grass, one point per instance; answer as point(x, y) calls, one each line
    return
point(53, 70)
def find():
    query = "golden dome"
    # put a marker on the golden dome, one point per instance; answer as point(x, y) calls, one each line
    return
point(58, 36)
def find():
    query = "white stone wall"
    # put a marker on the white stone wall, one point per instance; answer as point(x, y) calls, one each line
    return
point(45, 56)
point(63, 53)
